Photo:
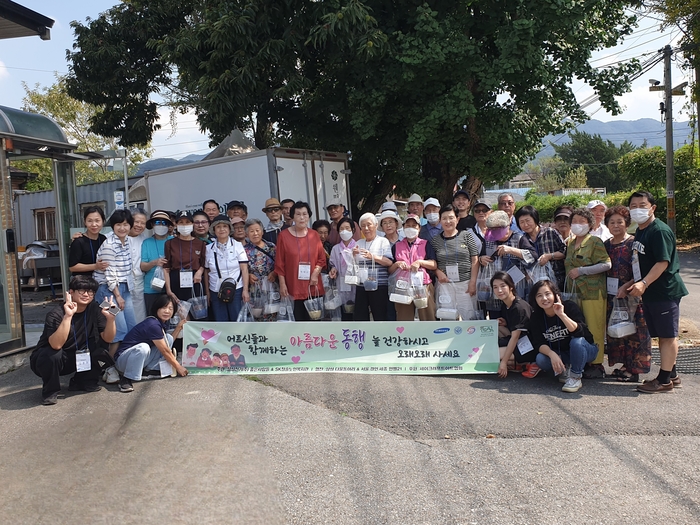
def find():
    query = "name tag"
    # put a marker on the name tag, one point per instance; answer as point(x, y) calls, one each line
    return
point(166, 369)
point(82, 360)
point(186, 279)
point(613, 285)
point(525, 345)
point(452, 271)
point(636, 270)
point(516, 274)
point(304, 272)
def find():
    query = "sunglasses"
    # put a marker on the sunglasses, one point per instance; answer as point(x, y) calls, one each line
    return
point(161, 223)
point(273, 209)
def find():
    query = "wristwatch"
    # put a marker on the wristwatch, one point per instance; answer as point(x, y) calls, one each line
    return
point(646, 285)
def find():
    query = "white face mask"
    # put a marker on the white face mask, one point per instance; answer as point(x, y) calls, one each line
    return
point(579, 229)
point(432, 217)
point(160, 230)
point(640, 215)
point(410, 233)
point(346, 235)
point(185, 229)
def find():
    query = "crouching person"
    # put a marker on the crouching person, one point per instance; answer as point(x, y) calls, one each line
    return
point(147, 344)
point(69, 342)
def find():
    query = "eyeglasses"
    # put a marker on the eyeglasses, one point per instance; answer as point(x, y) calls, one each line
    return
point(89, 293)
point(201, 223)
point(506, 203)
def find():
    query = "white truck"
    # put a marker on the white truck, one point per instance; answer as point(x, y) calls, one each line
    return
point(316, 177)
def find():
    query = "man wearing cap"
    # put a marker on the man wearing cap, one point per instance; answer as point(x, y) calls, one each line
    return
point(598, 209)
point(506, 203)
point(481, 211)
point(432, 213)
point(460, 200)
point(153, 255)
point(415, 207)
point(273, 210)
point(656, 273)
point(336, 211)
point(237, 209)
point(238, 229)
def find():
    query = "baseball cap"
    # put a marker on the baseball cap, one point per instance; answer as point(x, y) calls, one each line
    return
point(184, 214)
point(237, 204)
point(481, 202)
point(563, 213)
point(461, 192)
point(433, 201)
point(412, 216)
point(334, 202)
point(595, 203)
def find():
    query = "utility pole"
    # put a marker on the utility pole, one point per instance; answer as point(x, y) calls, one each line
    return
point(670, 179)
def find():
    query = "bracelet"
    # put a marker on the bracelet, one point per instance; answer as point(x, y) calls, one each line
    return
point(646, 285)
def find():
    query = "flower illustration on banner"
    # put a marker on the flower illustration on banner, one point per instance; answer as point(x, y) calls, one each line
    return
point(210, 336)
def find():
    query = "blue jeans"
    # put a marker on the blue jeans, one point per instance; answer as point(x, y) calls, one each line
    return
point(224, 312)
point(125, 320)
point(580, 352)
point(143, 356)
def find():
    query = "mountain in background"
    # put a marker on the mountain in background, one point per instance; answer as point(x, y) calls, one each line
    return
point(633, 131)
point(157, 164)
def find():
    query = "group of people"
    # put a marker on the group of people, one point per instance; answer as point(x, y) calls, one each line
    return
point(149, 264)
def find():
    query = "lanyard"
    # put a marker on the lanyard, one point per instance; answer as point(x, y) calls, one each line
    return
point(308, 247)
point(92, 250)
point(447, 257)
point(181, 261)
point(87, 343)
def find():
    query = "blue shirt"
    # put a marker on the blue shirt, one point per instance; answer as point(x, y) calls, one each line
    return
point(147, 331)
point(428, 231)
point(151, 249)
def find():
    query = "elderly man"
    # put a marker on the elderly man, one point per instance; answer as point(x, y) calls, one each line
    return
point(69, 342)
point(211, 208)
point(415, 207)
point(336, 211)
point(506, 203)
point(286, 208)
point(273, 210)
point(598, 209)
point(432, 213)
point(237, 209)
point(460, 200)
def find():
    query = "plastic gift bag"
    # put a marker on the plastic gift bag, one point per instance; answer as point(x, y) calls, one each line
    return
point(183, 309)
point(369, 277)
point(314, 305)
point(400, 289)
point(348, 302)
point(621, 323)
point(446, 301)
point(246, 314)
point(257, 300)
point(542, 273)
point(420, 296)
point(199, 304)
point(569, 293)
point(484, 292)
point(158, 281)
point(352, 272)
point(271, 297)
point(286, 311)
point(332, 300)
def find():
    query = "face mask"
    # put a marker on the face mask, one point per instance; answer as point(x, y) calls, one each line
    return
point(160, 230)
point(639, 215)
point(185, 230)
point(579, 229)
point(410, 233)
point(346, 235)
point(432, 217)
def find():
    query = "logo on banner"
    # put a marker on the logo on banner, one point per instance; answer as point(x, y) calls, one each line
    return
point(441, 331)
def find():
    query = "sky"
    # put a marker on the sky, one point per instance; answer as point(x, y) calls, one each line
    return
point(34, 61)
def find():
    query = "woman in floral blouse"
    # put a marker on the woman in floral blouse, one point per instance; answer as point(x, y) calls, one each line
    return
point(261, 259)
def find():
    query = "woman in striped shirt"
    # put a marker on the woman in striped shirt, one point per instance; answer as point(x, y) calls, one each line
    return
point(118, 279)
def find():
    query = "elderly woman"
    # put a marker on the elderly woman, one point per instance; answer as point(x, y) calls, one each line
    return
point(153, 255)
point(510, 251)
point(82, 257)
point(586, 263)
point(137, 235)
point(323, 228)
point(562, 222)
point(200, 223)
point(299, 260)
point(226, 259)
point(185, 261)
point(457, 261)
point(340, 254)
point(390, 223)
point(417, 256)
point(547, 241)
point(632, 352)
point(118, 278)
point(261, 258)
point(373, 255)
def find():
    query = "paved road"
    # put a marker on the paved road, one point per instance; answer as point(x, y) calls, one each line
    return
point(690, 271)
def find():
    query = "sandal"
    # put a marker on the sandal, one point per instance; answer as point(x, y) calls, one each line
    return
point(626, 377)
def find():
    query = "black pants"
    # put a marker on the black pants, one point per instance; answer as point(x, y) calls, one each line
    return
point(50, 364)
point(376, 301)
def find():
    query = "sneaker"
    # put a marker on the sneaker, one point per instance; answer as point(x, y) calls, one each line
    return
point(564, 376)
point(52, 399)
point(517, 368)
point(111, 376)
point(125, 385)
point(654, 387)
point(594, 371)
point(573, 384)
point(676, 382)
point(531, 370)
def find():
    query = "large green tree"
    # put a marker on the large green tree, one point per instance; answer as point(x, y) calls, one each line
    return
point(424, 94)
point(598, 156)
point(73, 116)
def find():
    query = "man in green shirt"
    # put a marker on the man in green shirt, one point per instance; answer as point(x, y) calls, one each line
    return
point(658, 281)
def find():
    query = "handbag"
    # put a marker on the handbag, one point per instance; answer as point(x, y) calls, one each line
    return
point(484, 292)
point(257, 300)
point(286, 311)
point(199, 305)
point(542, 273)
point(314, 305)
point(271, 297)
point(569, 293)
point(246, 314)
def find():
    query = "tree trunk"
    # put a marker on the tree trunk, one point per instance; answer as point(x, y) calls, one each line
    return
point(434, 167)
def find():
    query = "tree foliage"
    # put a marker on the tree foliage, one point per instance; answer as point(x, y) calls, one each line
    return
point(424, 94)
point(576, 178)
point(598, 156)
point(73, 116)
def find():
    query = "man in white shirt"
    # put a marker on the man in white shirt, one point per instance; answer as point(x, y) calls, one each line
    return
point(598, 209)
